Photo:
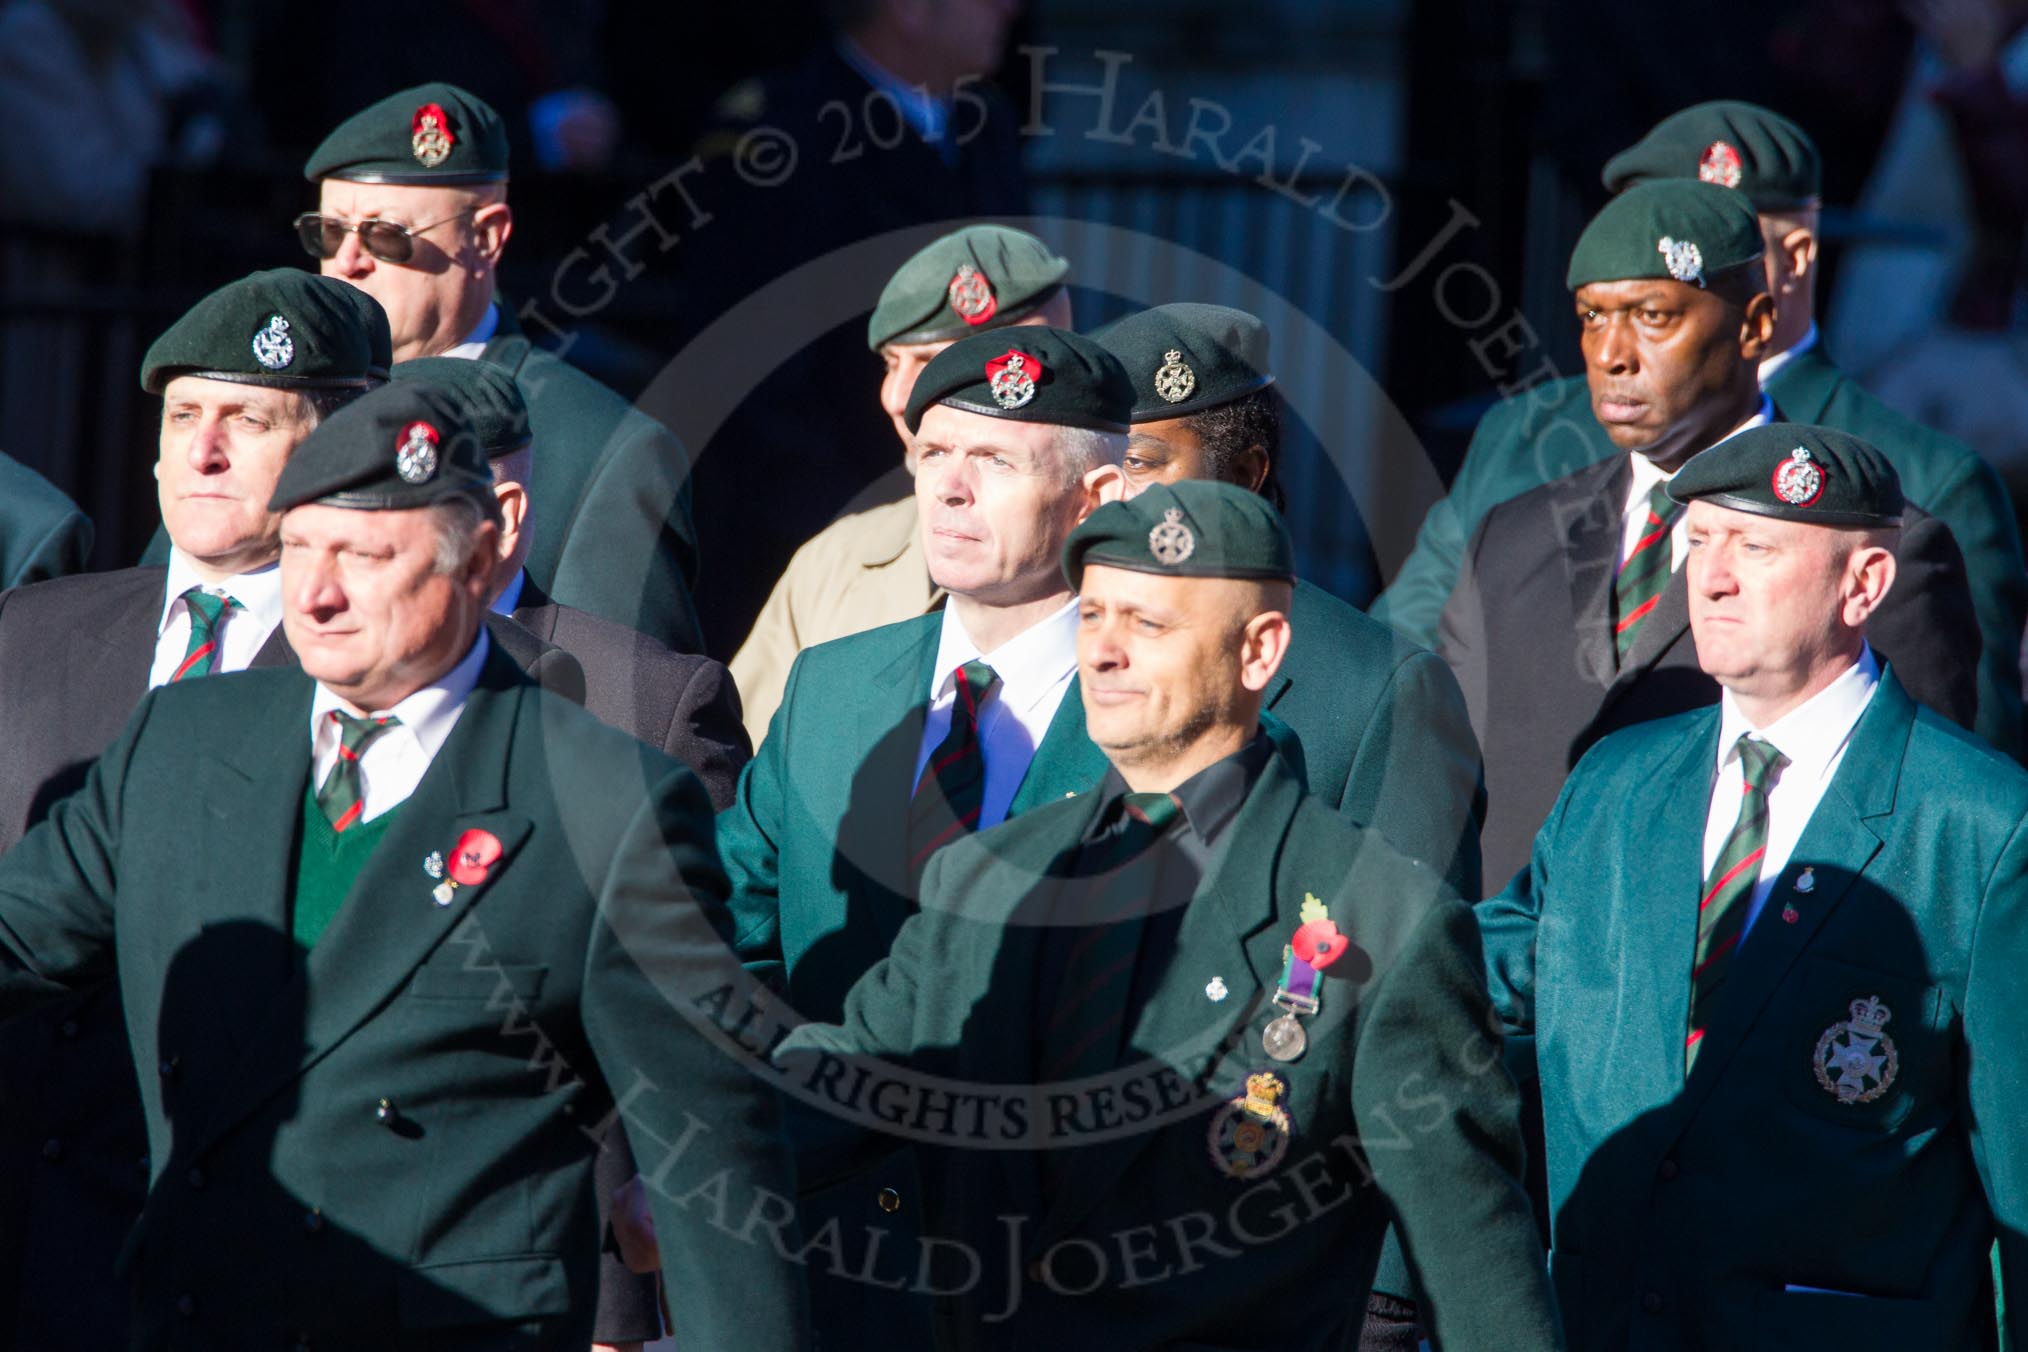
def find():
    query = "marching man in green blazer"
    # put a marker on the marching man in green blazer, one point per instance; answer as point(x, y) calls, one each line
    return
point(1767, 959)
point(1385, 733)
point(1234, 1031)
point(1549, 430)
point(389, 930)
point(855, 785)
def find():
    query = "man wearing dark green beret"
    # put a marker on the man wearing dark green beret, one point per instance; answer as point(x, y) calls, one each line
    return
point(892, 743)
point(1216, 993)
point(1385, 735)
point(1765, 959)
point(244, 376)
point(1571, 616)
point(42, 532)
point(682, 703)
point(866, 569)
point(1552, 429)
point(412, 209)
point(422, 960)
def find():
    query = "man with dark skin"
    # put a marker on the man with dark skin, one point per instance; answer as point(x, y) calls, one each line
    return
point(1547, 430)
point(1671, 299)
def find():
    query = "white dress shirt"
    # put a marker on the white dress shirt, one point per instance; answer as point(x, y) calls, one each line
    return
point(1646, 476)
point(510, 595)
point(475, 341)
point(241, 632)
point(395, 761)
point(1813, 736)
point(1034, 667)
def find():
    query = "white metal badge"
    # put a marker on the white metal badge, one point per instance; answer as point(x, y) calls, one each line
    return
point(1684, 260)
point(272, 346)
point(1856, 1060)
point(1174, 380)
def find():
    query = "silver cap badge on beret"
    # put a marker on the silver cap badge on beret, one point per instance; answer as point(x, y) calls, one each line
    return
point(1171, 542)
point(1012, 386)
point(272, 346)
point(1684, 260)
point(415, 456)
point(430, 138)
point(1720, 164)
point(1175, 380)
point(971, 295)
point(1797, 480)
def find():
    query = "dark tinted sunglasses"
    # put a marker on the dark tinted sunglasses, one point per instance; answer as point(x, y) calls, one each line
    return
point(324, 236)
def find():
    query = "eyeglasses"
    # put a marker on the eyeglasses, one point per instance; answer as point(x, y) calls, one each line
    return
point(324, 236)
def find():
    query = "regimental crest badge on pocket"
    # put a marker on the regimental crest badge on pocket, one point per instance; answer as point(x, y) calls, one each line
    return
point(1855, 1060)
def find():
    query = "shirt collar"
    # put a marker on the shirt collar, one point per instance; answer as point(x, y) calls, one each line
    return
point(1210, 799)
point(1030, 665)
point(475, 342)
point(431, 712)
point(510, 595)
point(1813, 733)
point(1783, 358)
point(1647, 474)
point(258, 592)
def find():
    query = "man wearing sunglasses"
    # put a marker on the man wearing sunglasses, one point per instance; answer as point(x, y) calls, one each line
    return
point(412, 209)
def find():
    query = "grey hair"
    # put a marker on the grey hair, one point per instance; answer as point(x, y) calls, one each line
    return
point(1084, 449)
point(321, 404)
point(458, 520)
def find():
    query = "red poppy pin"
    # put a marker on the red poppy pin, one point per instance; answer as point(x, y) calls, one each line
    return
point(471, 858)
point(476, 852)
point(1319, 943)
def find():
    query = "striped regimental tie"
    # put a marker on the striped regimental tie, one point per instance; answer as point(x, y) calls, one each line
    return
point(953, 784)
point(1645, 574)
point(1721, 916)
point(206, 610)
point(340, 797)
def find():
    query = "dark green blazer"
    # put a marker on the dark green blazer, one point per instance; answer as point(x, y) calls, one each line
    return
point(1684, 1214)
point(42, 532)
point(611, 491)
point(1399, 1107)
point(816, 843)
point(1386, 737)
point(390, 1143)
point(816, 847)
point(1548, 432)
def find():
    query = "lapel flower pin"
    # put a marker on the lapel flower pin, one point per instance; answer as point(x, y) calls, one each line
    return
point(471, 858)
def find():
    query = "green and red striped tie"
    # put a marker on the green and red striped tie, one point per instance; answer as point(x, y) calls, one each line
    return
point(340, 798)
point(1721, 916)
point(1645, 574)
point(953, 784)
point(206, 609)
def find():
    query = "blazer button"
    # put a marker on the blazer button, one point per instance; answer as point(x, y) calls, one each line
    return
point(186, 1305)
point(1668, 1170)
point(52, 1149)
point(1652, 1302)
point(387, 1113)
point(889, 1199)
point(196, 1177)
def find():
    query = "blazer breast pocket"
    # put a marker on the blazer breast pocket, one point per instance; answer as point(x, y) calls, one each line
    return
point(1864, 1048)
point(487, 981)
